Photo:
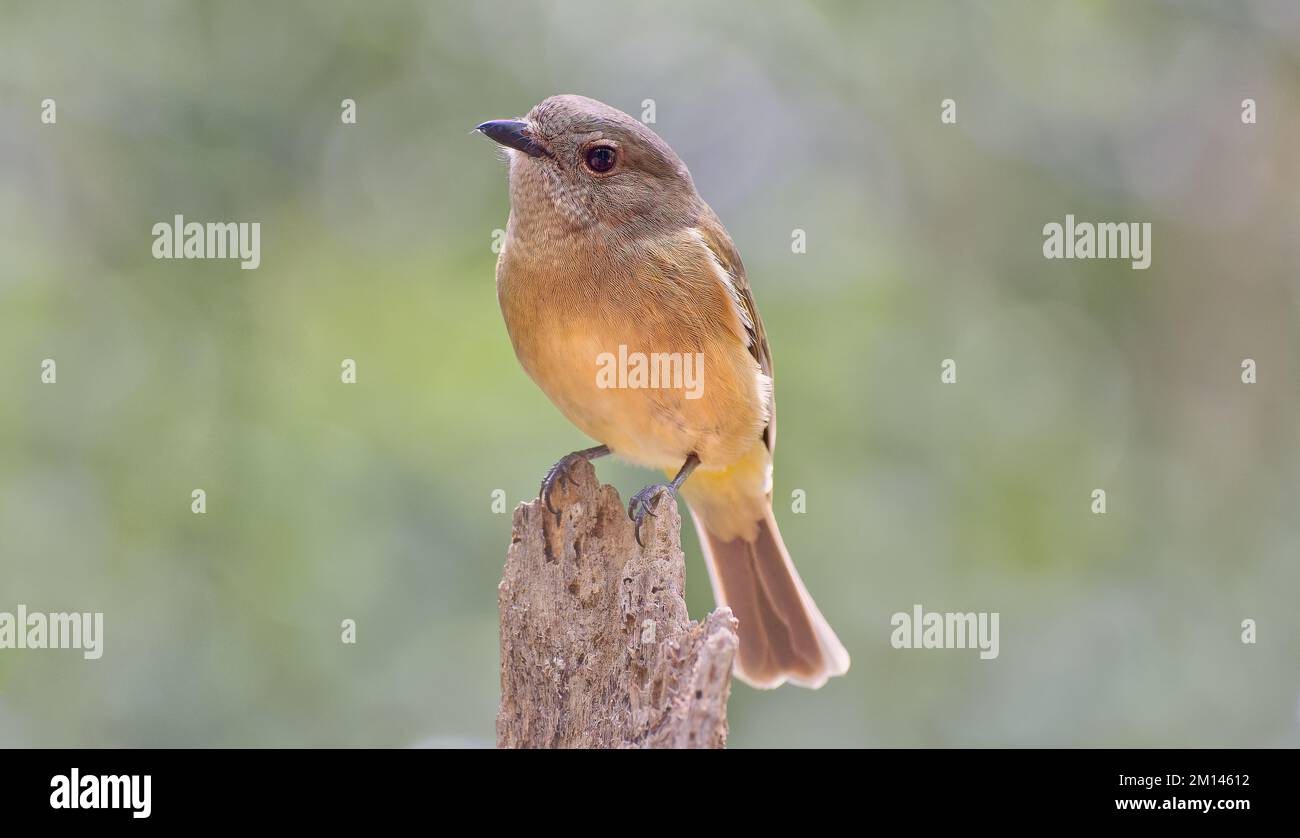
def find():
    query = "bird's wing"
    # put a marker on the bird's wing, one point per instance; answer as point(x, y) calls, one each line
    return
point(715, 238)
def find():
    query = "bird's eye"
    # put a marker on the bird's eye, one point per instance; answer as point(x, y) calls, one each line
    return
point(601, 158)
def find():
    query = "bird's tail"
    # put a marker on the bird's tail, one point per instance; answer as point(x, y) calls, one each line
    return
point(783, 637)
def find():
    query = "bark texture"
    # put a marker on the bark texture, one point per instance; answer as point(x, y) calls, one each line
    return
point(597, 649)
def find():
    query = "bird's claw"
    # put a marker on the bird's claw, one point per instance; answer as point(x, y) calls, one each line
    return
point(639, 506)
point(558, 473)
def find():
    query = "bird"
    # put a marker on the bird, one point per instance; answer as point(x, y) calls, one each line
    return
point(610, 252)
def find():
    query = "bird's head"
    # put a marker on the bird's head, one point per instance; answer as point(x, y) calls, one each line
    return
point(588, 164)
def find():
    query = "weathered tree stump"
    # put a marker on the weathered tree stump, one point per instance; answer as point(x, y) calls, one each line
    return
point(597, 649)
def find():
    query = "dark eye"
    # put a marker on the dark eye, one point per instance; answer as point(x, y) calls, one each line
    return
point(601, 158)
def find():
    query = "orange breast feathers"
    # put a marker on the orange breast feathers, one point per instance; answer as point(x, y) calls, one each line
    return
point(663, 303)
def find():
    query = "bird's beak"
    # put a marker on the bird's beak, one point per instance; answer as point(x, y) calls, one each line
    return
point(515, 134)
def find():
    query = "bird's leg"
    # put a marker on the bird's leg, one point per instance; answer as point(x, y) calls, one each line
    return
point(559, 473)
point(639, 506)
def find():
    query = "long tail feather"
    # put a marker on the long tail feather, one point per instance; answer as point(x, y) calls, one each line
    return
point(783, 637)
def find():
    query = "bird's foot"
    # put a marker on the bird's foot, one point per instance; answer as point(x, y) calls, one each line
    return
point(639, 506)
point(559, 473)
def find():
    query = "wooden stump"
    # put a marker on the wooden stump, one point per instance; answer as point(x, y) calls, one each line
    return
point(597, 649)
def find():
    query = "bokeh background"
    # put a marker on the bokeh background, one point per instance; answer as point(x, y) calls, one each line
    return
point(373, 501)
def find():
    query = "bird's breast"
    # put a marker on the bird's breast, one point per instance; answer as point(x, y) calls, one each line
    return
point(637, 358)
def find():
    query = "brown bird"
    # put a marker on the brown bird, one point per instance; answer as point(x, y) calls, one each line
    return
point(617, 281)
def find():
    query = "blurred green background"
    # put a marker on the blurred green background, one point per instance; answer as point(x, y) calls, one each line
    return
point(373, 501)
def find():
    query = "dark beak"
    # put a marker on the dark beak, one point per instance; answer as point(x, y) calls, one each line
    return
point(512, 133)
